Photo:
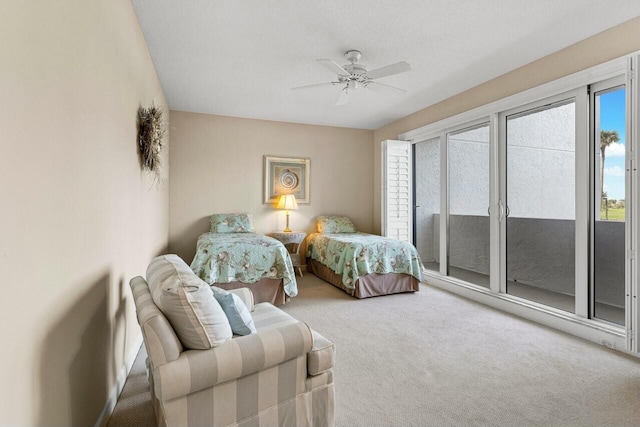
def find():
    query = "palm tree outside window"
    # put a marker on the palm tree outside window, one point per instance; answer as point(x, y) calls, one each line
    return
point(607, 137)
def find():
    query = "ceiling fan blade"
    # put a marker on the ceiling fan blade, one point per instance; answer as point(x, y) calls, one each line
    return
point(315, 85)
point(381, 87)
point(389, 70)
point(344, 97)
point(333, 67)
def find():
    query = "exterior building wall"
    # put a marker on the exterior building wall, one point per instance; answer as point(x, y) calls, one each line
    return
point(540, 197)
point(427, 199)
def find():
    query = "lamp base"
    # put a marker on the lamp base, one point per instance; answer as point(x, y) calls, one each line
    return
point(287, 230)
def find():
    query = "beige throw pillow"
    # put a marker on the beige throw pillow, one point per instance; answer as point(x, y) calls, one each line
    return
point(188, 303)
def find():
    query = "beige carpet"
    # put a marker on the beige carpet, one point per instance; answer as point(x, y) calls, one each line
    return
point(435, 359)
point(134, 404)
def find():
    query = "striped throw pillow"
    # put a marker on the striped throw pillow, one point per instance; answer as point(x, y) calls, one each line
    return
point(187, 302)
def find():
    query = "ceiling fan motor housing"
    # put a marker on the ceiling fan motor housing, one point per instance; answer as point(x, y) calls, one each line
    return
point(357, 72)
point(353, 56)
point(356, 69)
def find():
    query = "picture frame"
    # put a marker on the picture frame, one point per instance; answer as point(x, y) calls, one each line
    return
point(286, 175)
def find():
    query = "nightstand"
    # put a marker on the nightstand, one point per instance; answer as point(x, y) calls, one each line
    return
point(292, 242)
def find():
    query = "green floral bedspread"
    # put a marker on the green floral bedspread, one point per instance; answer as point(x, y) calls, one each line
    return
point(356, 254)
point(245, 257)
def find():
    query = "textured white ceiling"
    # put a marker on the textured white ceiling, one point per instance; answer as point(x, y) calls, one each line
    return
point(241, 57)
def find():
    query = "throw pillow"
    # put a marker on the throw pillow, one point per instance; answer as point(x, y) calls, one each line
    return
point(236, 310)
point(187, 302)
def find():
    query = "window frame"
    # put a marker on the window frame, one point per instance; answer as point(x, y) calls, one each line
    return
point(595, 89)
point(446, 187)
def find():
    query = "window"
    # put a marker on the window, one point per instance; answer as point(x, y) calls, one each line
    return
point(608, 108)
point(540, 204)
point(527, 203)
point(468, 220)
point(427, 201)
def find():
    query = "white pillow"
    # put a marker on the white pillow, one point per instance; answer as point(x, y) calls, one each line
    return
point(236, 310)
point(187, 302)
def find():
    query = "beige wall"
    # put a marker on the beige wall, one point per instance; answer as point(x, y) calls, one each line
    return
point(217, 167)
point(610, 44)
point(78, 218)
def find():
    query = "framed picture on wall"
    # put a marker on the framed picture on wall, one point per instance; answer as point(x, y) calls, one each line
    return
point(286, 175)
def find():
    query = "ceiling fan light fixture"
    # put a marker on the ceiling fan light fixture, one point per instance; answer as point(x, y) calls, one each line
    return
point(345, 96)
point(354, 76)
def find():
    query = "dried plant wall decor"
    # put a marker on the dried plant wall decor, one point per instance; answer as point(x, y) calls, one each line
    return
point(150, 138)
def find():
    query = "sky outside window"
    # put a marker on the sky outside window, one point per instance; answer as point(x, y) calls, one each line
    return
point(612, 117)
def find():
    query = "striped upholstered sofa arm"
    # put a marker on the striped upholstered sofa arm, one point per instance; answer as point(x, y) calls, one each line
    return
point(196, 370)
point(246, 296)
point(162, 344)
point(322, 355)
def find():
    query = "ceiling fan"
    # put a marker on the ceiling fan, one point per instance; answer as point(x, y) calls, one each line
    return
point(354, 75)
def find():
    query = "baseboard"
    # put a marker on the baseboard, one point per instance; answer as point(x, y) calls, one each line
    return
point(119, 385)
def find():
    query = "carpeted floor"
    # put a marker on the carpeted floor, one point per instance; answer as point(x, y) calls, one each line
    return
point(436, 359)
point(134, 404)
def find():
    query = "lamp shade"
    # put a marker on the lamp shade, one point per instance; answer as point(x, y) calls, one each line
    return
point(287, 201)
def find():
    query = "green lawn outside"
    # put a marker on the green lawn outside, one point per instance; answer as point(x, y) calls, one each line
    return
point(614, 214)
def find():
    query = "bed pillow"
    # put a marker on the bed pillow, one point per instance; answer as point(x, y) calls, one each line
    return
point(187, 302)
point(334, 224)
point(236, 310)
point(231, 223)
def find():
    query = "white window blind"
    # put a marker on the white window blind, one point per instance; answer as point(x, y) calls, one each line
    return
point(397, 190)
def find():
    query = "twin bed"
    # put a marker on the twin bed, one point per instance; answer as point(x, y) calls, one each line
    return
point(232, 255)
point(363, 265)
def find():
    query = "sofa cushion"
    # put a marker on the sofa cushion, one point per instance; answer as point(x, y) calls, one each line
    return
point(188, 303)
point(267, 316)
point(236, 310)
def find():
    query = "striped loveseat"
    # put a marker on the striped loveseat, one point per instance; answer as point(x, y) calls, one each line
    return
point(279, 376)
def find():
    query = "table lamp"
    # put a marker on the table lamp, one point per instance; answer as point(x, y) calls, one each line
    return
point(287, 202)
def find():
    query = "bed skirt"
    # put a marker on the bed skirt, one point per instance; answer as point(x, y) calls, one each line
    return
point(370, 285)
point(264, 290)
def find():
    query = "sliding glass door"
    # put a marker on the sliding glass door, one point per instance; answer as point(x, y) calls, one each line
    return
point(540, 204)
point(608, 226)
point(427, 202)
point(468, 246)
